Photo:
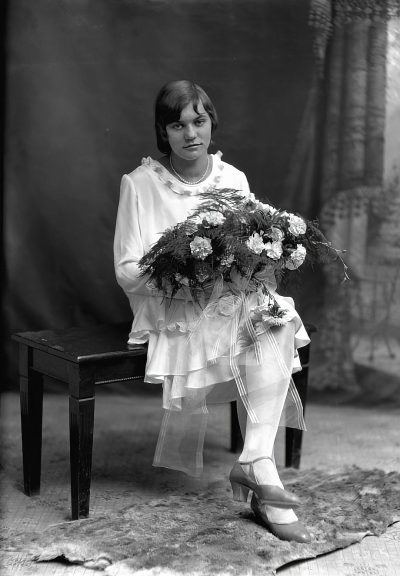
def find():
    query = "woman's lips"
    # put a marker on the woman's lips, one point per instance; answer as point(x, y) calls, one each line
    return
point(192, 146)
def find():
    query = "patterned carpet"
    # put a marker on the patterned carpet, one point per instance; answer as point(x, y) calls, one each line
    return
point(194, 533)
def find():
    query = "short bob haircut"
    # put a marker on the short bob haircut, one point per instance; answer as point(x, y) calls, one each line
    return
point(171, 100)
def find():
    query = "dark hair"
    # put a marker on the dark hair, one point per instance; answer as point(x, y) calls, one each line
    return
point(170, 101)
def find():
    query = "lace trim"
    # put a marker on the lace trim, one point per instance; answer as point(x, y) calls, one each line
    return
point(178, 187)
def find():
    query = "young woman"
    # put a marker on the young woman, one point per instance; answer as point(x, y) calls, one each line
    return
point(183, 354)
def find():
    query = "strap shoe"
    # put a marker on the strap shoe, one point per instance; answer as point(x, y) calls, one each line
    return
point(293, 532)
point(242, 483)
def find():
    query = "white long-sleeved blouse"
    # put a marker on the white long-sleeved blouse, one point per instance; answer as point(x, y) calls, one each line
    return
point(152, 200)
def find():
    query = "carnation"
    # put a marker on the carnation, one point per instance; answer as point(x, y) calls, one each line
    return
point(200, 247)
point(212, 218)
point(297, 225)
point(255, 243)
point(265, 207)
point(275, 320)
point(227, 260)
point(274, 249)
point(276, 234)
point(268, 315)
point(254, 204)
point(247, 196)
point(250, 202)
point(296, 258)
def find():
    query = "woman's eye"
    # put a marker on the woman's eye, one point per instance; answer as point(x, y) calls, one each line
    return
point(176, 126)
point(200, 122)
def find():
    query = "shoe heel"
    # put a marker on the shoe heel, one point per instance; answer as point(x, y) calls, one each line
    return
point(240, 492)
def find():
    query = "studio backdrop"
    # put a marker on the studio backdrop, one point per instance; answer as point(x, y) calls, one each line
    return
point(81, 81)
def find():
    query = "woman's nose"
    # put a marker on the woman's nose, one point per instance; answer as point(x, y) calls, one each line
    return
point(190, 132)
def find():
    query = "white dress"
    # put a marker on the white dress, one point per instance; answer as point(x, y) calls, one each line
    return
point(201, 355)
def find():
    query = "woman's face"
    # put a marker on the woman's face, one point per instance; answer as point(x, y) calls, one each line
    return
point(190, 136)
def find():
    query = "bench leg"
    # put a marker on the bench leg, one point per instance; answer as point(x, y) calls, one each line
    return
point(31, 398)
point(81, 421)
point(236, 435)
point(293, 436)
point(293, 440)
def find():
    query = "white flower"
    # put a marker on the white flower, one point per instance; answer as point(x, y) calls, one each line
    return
point(276, 321)
point(297, 225)
point(253, 204)
point(250, 202)
point(247, 196)
point(212, 218)
point(274, 249)
point(276, 234)
point(265, 207)
point(227, 260)
point(182, 279)
point(263, 315)
point(296, 258)
point(200, 247)
point(255, 243)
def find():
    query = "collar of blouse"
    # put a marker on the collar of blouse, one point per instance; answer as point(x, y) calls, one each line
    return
point(179, 187)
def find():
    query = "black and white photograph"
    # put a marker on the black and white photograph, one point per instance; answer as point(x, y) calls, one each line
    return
point(201, 288)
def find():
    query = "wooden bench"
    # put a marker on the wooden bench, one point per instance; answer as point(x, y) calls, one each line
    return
point(84, 358)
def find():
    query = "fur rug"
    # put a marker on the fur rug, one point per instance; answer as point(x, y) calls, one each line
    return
point(195, 533)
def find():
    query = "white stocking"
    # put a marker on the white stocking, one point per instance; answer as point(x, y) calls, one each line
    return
point(259, 441)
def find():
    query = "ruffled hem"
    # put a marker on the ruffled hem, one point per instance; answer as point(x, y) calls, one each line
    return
point(143, 336)
point(185, 340)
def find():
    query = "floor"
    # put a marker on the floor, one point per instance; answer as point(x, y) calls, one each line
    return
point(338, 435)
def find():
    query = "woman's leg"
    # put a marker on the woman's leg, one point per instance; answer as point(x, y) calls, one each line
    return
point(259, 442)
point(265, 387)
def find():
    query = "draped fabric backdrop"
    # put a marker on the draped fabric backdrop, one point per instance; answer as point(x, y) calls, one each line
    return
point(359, 202)
point(81, 80)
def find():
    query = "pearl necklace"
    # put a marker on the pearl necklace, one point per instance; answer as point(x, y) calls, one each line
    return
point(188, 181)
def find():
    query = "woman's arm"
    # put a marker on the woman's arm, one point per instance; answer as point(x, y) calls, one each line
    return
point(244, 185)
point(128, 245)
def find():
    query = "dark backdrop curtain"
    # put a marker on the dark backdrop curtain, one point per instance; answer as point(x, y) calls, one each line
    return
point(81, 79)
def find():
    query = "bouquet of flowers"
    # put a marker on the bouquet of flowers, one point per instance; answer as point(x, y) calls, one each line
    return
point(232, 234)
